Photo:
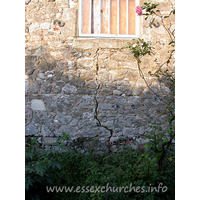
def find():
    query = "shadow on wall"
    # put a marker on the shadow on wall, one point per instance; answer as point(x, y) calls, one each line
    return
point(80, 98)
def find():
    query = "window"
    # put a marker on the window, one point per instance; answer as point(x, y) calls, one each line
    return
point(108, 18)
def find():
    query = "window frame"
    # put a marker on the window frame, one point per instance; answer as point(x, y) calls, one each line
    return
point(109, 36)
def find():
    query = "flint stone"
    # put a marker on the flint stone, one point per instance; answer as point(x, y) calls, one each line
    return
point(27, 85)
point(29, 72)
point(37, 104)
point(78, 54)
point(69, 89)
point(113, 139)
point(88, 133)
point(46, 88)
point(46, 131)
point(74, 122)
point(129, 132)
point(86, 91)
point(117, 128)
point(30, 130)
point(57, 89)
point(141, 130)
point(86, 123)
point(65, 119)
point(106, 91)
point(68, 129)
point(108, 124)
point(103, 132)
point(133, 100)
point(41, 76)
point(27, 1)
point(117, 92)
point(60, 83)
point(87, 53)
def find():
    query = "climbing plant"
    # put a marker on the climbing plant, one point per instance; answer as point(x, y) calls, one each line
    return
point(160, 148)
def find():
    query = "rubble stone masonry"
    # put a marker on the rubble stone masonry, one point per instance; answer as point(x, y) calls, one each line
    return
point(87, 88)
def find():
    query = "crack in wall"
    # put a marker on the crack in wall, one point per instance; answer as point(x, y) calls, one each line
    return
point(98, 122)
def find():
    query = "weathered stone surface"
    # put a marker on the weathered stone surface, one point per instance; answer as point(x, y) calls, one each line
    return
point(29, 72)
point(37, 104)
point(134, 100)
point(65, 119)
point(69, 17)
point(105, 106)
point(86, 91)
point(46, 131)
point(141, 130)
point(69, 89)
point(41, 76)
point(103, 132)
point(30, 61)
point(86, 123)
point(88, 133)
point(117, 128)
point(74, 122)
point(85, 63)
point(44, 65)
point(27, 85)
point(106, 91)
point(71, 64)
point(117, 92)
point(49, 140)
point(86, 75)
point(108, 124)
point(34, 27)
point(31, 130)
point(68, 129)
point(45, 26)
point(129, 132)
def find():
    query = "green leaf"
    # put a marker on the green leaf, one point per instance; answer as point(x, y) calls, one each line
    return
point(146, 155)
point(58, 165)
point(169, 131)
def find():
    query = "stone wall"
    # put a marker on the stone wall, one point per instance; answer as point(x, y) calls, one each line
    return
point(88, 88)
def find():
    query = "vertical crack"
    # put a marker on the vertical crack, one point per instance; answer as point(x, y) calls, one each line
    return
point(98, 122)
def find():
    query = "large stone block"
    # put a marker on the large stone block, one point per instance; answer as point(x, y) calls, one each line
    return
point(37, 104)
point(70, 18)
point(85, 63)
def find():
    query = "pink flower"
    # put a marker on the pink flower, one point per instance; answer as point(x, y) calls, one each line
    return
point(139, 10)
